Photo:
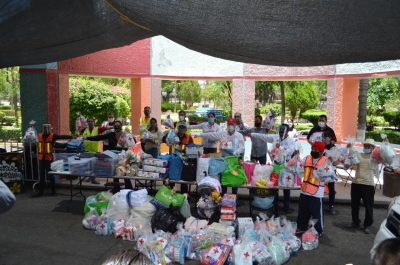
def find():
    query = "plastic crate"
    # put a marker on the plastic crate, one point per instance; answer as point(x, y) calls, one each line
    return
point(104, 167)
point(82, 166)
point(62, 156)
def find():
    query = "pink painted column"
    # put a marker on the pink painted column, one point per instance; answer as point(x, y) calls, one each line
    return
point(342, 106)
point(52, 99)
point(155, 99)
point(140, 98)
point(63, 103)
point(243, 99)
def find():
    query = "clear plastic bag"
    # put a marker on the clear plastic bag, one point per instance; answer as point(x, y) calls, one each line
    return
point(147, 135)
point(387, 153)
point(286, 179)
point(168, 122)
point(103, 226)
point(216, 254)
point(90, 219)
point(242, 253)
point(310, 239)
point(278, 251)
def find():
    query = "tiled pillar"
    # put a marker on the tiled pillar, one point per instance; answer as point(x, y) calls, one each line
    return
point(140, 98)
point(342, 106)
point(155, 99)
point(63, 103)
point(243, 99)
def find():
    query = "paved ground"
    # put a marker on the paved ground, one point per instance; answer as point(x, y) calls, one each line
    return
point(41, 231)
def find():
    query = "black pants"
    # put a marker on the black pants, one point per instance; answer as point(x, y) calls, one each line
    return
point(310, 206)
point(44, 168)
point(366, 193)
point(261, 159)
point(207, 150)
point(332, 193)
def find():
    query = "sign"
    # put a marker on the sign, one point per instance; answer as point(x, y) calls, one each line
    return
point(11, 170)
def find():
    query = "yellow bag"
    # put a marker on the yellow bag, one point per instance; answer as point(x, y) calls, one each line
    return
point(93, 146)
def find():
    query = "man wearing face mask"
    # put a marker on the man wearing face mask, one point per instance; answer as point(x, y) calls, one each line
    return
point(108, 126)
point(258, 146)
point(362, 187)
point(315, 134)
point(46, 142)
point(209, 146)
point(144, 123)
point(235, 148)
point(314, 166)
point(239, 124)
point(283, 142)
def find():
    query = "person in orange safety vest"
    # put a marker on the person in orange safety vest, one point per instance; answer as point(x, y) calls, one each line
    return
point(45, 156)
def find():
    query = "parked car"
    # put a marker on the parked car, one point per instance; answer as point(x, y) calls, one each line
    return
point(390, 227)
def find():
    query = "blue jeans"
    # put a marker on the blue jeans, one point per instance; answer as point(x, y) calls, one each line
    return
point(261, 159)
point(152, 151)
point(286, 198)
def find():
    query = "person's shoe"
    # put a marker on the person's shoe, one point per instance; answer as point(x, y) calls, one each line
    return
point(352, 226)
point(367, 230)
point(94, 181)
point(332, 210)
point(37, 195)
point(89, 179)
point(287, 209)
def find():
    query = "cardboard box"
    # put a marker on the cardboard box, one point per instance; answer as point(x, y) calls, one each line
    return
point(244, 223)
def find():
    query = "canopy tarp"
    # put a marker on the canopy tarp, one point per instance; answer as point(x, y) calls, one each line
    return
point(271, 32)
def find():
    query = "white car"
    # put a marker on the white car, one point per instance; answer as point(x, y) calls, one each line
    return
point(390, 227)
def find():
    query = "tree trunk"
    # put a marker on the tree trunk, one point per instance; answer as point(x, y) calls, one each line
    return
point(362, 109)
point(282, 85)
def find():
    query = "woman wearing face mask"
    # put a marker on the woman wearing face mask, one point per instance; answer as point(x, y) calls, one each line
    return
point(292, 131)
point(233, 136)
point(209, 146)
point(116, 140)
point(362, 187)
point(151, 146)
point(315, 134)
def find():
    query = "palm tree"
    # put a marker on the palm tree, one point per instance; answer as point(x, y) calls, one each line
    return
point(362, 109)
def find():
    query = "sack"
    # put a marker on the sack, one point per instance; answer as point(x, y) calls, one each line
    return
point(278, 168)
point(387, 153)
point(176, 165)
point(185, 209)
point(263, 203)
point(164, 195)
point(217, 166)
point(263, 171)
point(94, 202)
point(249, 170)
point(202, 165)
point(234, 177)
point(166, 220)
point(232, 160)
point(286, 179)
point(75, 146)
point(189, 169)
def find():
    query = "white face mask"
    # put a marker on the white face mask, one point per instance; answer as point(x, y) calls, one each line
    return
point(290, 125)
point(231, 128)
point(181, 118)
point(110, 120)
point(321, 124)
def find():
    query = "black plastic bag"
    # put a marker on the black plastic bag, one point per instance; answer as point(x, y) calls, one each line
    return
point(167, 219)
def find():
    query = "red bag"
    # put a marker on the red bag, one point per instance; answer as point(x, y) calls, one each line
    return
point(275, 179)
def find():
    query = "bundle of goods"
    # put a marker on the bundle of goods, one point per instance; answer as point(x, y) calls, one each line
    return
point(194, 150)
point(30, 134)
point(261, 176)
point(80, 123)
point(75, 146)
point(147, 135)
point(153, 168)
point(80, 166)
point(228, 209)
point(291, 167)
point(168, 122)
point(386, 151)
point(350, 154)
point(234, 175)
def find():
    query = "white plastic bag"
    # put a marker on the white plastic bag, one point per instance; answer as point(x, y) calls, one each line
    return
point(168, 122)
point(118, 208)
point(202, 166)
point(263, 171)
point(142, 214)
point(310, 239)
point(387, 153)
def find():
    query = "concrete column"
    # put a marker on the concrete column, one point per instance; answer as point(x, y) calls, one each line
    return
point(342, 106)
point(243, 99)
point(63, 103)
point(140, 98)
point(156, 99)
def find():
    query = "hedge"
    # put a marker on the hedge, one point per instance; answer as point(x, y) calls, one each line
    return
point(3, 107)
point(10, 133)
point(165, 106)
point(393, 136)
point(392, 117)
point(275, 106)
point(8, 120)
point(2, 115)
point(313, 115)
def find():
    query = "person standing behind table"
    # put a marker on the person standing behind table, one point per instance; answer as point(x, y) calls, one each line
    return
point(239, 124)
point(115, 142)
point(283, 142)
point(258, 146)
point(144, 123)
point(292, 131)
point(109, 126)
point(237, 141)
point(182, 118)
point(209, 146)
point(329, 138)
point(7, 198)
point(91, 130)
point(151, 146)
point(46, 142)
point(315, 134)
point(362, 187)
point(312, 189)
point(184, 140)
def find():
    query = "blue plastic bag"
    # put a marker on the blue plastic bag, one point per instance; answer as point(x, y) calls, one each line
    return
point(175, 166)
point(217, 166)
point(75, 146)
point(263, 203)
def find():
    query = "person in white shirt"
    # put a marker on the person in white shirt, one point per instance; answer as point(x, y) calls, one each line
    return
point(239, 124)
point(315, 169)
point(292, 131)
point(209, 146)
point(283, 142)
point(232, 143)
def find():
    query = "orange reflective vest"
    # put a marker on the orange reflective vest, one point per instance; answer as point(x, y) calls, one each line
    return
point(183, 144)
point(45, 147)
point(311, 184)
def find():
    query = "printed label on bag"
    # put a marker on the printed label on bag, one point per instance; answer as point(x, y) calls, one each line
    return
point(169, 198)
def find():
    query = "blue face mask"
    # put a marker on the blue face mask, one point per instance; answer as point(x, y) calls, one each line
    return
point(90, 124)
point(210, 119)
point(181, 131)
point(366, 150)
point(153, 125)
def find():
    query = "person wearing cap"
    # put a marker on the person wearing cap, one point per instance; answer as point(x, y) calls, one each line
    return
point(46, 141)
point(209, 146)
point(362, 187)
point(314, 166)
point(283, 142)
point(230, 136)
point(239, 124)
point(315, 134)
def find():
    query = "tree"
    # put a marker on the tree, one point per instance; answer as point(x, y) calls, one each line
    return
point(265, 91)
point(217, 92)
point(381, 90)
point(189, 91)
point(9, 86)
point(300, 96)
point(94, 99)
point(362, 109)
point(168, 87)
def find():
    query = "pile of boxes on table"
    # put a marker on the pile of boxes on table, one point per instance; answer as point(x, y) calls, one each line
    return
point(153, 168)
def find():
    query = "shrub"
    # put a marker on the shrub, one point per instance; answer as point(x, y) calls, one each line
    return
point(276, 107)
point(165, 106)
point(227, 112)
point(313, 115)
point(197, 118)
point(10, 133)
point(393, 136)
point(8, 120)
point(377, 120)
point(2, 115)
point(392, 117)
point(303, 126)
point(257, 111)
point(3, 107)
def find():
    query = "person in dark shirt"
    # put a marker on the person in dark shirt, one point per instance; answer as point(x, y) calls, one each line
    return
point(315, 134)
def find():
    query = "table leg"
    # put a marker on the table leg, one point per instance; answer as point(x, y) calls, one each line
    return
point(251, 204)
point(80, 189)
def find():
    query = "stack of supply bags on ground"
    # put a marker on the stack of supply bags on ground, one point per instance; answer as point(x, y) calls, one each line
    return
point(228, 209)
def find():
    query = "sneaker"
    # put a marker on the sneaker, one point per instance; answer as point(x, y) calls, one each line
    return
point(287, 209)
point(332, 210)
point(94, 181)
point(367, 230)
point(352, 226)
